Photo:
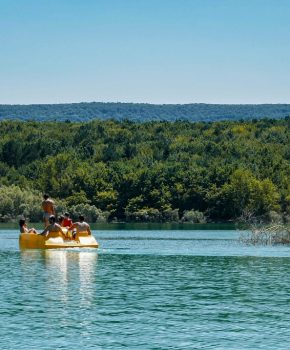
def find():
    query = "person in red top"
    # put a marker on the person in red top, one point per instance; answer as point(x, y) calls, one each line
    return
point(67, 221)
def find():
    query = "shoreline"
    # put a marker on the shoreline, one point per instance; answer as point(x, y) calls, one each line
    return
point(119, 226)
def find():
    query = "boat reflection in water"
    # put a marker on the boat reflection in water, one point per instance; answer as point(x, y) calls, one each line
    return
point(68, 275)
point(56, 262)
point(87, 273)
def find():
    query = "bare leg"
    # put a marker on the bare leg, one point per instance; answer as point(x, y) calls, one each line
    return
point(45, 221)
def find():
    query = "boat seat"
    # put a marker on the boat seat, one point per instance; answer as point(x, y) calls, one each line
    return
point(81, 234)
point(54, 235)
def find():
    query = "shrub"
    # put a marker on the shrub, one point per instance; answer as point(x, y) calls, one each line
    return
point(90, 212)
point(193, 216)
point(16, 202)
point(274, 217)
point(152, 215)
point(144, 214)
point(169, 215)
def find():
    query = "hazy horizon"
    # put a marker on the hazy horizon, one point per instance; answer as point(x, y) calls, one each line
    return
point(144, 103)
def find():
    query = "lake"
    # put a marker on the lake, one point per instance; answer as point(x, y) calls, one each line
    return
point(146, 289)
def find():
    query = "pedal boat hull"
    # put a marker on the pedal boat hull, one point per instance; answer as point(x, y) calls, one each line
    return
point(35, 241)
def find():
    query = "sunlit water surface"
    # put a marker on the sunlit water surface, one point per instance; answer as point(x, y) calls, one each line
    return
point(146, 290)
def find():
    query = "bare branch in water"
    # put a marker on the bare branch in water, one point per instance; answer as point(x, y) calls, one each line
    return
point(258, 232)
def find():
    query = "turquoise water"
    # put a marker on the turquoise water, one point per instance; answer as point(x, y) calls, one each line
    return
point(146, 290)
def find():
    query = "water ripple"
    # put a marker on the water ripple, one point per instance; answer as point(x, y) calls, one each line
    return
point(146, 294)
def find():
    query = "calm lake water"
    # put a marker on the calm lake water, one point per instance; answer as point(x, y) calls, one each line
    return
point(146, 289)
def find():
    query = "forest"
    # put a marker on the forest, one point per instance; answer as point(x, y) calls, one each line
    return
point(156, 171)
point(141, 112)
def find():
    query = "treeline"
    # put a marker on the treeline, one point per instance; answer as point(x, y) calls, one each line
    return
point(141, 112)
point(153, 171)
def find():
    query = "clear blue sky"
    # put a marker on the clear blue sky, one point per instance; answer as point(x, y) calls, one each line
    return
point(155, 51)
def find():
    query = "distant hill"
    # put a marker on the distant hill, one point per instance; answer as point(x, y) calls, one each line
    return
point(142, 112)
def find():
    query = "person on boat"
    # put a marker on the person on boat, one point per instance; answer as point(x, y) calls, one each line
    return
point(48, 209)
point(23, 227)
point(67, 221)
point(60, 220)
point(81, 226)
point(53, 228)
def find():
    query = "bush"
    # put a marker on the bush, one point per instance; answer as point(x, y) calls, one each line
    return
point(274, 217)
point(16, 202)
point(169, 215)
point(144, 214)
point(90, 212)
point(152, 215)
point(194, 216)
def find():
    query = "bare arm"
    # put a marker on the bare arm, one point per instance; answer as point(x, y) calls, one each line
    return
point(45, 231)
point(72, 227)
point(61, 231)
point(33, 230)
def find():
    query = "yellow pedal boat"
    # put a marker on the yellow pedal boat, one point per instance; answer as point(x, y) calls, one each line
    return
point(53, 241)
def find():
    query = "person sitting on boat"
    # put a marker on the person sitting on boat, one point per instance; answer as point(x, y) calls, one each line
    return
point(53, 229)
point(60, 220)
point(48, 208)
point(80, 226)
point(23, 227)
point(67, 221)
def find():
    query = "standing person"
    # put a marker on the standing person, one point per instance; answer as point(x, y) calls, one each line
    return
point(81, 226)
point(48, 209)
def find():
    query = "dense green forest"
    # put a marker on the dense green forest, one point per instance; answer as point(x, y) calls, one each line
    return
point(141, 112)
point(151, 171)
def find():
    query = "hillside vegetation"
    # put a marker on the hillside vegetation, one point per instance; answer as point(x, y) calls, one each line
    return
point(142, 112)
point(152, 171)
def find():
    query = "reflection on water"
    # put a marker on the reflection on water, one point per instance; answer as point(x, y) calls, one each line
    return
point(57, 268)
point(87, 265)
point(64, 270)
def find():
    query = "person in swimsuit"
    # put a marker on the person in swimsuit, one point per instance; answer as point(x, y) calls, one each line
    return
point(53, 228)
point(81, 226)
point(23, 227)
point(48, 209)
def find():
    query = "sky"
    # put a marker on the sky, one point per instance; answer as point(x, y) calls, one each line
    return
point(151, 51)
